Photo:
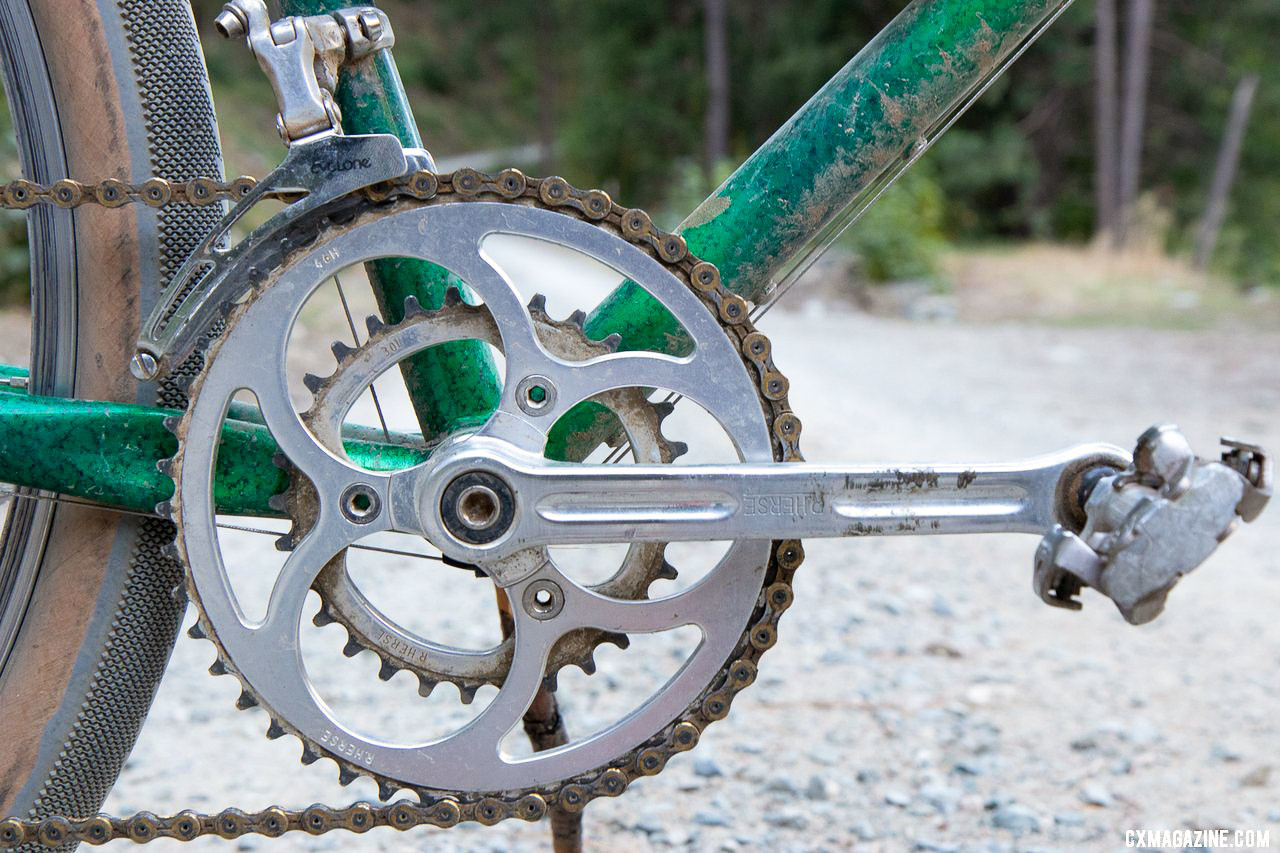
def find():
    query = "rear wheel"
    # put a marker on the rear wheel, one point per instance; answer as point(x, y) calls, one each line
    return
point(89, 603)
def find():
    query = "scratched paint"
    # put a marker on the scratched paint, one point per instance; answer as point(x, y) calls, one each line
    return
point(107, 452)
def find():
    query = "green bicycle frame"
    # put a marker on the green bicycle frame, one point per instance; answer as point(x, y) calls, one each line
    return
point(814, 176)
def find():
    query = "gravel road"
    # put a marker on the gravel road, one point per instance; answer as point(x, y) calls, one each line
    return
point(920, 696)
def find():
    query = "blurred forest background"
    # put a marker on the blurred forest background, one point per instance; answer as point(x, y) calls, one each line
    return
point(1111, 145)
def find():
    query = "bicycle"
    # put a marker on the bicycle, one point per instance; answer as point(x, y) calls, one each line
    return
point(93, 446)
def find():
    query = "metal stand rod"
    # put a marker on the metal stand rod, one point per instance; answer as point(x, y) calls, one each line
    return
point(546, 730)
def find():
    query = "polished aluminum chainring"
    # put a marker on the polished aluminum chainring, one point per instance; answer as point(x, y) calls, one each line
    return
point(730, 373)
point(342, 602)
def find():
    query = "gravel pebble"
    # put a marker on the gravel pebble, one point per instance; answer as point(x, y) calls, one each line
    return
point(1016, 818)
point(782, 785)
point(941, 797)
point(897, 798)
point(649, 824)
point(706, 767)
point(1096, 795)
point(819, 788)
point(786, 819)
point(1256, 778)
point(934, 847)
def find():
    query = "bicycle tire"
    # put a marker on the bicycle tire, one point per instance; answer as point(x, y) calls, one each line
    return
point(115, 88)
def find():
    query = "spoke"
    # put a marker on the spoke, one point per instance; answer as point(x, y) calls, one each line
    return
point(615, 456)
point(355, 337)
point(357, 546)
point(620, 451)
point(7, 492)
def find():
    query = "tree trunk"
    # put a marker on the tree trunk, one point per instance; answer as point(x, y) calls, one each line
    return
point(1137, 65)
point(547, 84)
point(1106, 138)
point(1224, 174)
point(717, 63)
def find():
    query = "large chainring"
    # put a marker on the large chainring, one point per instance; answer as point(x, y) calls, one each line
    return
point(730, 373)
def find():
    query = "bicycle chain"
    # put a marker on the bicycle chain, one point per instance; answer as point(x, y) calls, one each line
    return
point(647, 759)
point(156, 192)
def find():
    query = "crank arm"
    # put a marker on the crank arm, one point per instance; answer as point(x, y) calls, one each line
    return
point(561, 504)
point(1127, 526)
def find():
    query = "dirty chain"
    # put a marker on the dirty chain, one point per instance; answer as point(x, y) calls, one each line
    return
point(156, 192)
point(649, 758)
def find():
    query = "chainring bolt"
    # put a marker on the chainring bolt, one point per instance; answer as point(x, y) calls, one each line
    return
point(360, 504)
point(535, 395)
point(543, 599)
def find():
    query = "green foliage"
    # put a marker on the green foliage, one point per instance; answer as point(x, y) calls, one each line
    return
point(900, 237)
point(989, 179)
point(15, 284)
point(690, 185)
point(15, 279)
point(636, 104)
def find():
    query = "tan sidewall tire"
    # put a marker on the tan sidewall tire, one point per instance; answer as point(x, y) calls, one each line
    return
point(132, 102)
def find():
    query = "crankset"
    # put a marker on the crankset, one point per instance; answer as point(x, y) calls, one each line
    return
point(727, 372)
point(489, 498)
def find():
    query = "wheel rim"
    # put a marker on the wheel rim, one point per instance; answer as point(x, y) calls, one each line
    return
point(51, 241)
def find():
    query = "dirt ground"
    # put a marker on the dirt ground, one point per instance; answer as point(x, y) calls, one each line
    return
point(920, 696)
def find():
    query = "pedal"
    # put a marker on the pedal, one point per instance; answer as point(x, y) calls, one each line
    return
point(1153, 523)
